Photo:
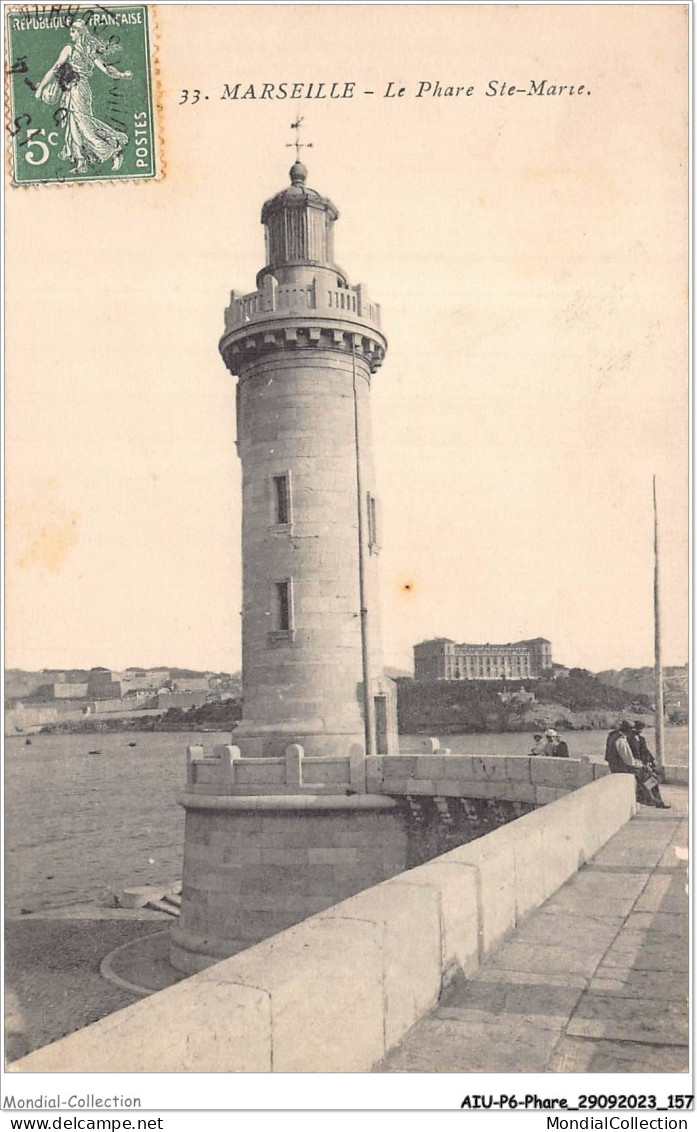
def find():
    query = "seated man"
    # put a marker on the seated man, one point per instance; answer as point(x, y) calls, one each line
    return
point(641, 747)
point(621, 759)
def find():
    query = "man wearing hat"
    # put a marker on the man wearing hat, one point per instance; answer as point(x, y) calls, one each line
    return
point(538, 747)
point(555, 745)
point(550, 737)
point(621, 759)
point(642, 750)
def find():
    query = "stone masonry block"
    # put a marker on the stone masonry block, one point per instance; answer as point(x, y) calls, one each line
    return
point(254, 925)
point(207, 774)
point(399, 766)
point(357, 839)
point(600, 770)
point(217, 882)
point(326, 773)
point(294, 764)
point(356, 878)
point(308, 905)
point(481, 789)
point(456, 886)
point(357, 767)
point(516, 792)
point(373, 771)
point(262, 902)
point(396, 786)
point(555, 772)
point(545, 794)
point(262, 771)
point(446, 766)
point(290, 838)
point(336, 855)
point(193, 755)
point(420, 786)
point(584, 773)
point(407, 918)
point(529, 866)
point(435, 766)
point(285, 855)
point(227, 756)
point(493, 857)
point(450, 787)
point(489, 768)
point(201, 1025)
point(517, 768)
point(324, 981)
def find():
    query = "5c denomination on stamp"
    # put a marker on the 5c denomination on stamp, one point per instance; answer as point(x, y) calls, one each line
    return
point(80, 94)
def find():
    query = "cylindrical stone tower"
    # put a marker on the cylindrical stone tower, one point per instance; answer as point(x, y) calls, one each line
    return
point(304, 346)
point(284, 823)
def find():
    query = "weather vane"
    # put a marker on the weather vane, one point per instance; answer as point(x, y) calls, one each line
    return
point(297, 143)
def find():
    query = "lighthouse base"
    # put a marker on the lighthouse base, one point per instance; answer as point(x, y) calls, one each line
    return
point(257, 864)
point(259, 741)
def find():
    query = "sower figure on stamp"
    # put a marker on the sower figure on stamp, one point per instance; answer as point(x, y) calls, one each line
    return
point(88, 141)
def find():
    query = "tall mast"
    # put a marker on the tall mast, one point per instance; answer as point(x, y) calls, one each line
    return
point(658, 664)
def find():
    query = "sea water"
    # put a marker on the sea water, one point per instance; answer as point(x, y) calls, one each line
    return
point(80, 826)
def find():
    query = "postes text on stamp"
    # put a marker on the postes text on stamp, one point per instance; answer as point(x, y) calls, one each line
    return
point(80, 94)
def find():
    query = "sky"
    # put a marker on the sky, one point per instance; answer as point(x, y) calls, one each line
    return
point(530, 257)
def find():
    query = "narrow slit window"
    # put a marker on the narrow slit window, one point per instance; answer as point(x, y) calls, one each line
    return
point(283, 606)
point(373, 541)
point(282, 498)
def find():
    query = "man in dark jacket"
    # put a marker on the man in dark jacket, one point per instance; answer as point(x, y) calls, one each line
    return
point(561, 750)
point(642, 750)
point(621, 755)
point(618, 750)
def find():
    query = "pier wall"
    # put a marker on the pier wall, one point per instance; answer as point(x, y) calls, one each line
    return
point(270, 842)
point(336, 992)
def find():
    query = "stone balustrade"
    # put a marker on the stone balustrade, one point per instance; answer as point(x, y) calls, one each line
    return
point(529, 779)
point(274, 299)
point(226, 772)
point(434, 772)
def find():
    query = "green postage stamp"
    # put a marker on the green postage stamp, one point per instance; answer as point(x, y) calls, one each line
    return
point(80, 94)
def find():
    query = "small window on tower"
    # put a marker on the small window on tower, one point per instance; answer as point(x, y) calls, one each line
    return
point(281, 488)
point(283, 606)
point(373, 540)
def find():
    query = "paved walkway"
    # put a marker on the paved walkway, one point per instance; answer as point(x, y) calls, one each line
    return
point(595, 981)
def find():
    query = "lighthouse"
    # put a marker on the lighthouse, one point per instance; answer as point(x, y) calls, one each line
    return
point(304, 347)
point(290, 818)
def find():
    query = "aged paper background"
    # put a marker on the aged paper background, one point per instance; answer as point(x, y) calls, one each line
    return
point(529, 254)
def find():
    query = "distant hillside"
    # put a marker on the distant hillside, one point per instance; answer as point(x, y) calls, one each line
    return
point(639, 682)
point(629, 679)
point(641, 679)
point(443, 706)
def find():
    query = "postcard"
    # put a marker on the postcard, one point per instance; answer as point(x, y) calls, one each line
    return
point(346, 681)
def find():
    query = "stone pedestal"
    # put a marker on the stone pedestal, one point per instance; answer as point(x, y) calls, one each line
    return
point(269, 842)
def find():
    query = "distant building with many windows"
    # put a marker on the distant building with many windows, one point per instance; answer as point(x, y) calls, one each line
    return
point(443, 659)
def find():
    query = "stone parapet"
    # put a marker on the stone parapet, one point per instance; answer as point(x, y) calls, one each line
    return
point(438, 774)
point(335, 993)
point(676, 775)
point(225, 772)
point(505, 778)
point(319, 294)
